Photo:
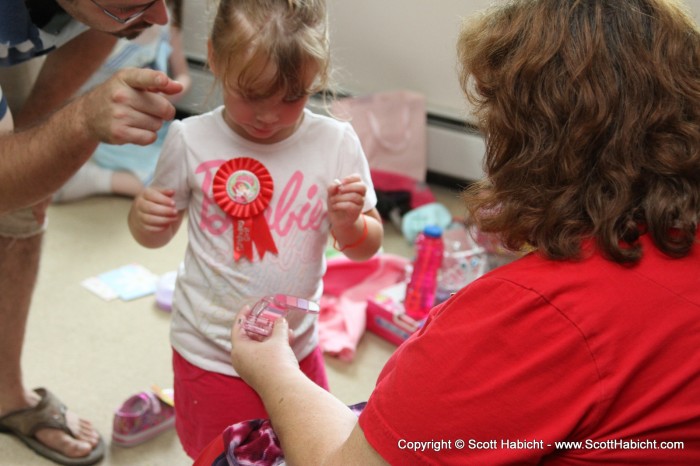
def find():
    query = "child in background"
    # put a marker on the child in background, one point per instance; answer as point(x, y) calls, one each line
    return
point(263, 181)
point(126, 169)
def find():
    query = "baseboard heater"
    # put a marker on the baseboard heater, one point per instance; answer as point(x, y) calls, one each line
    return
point(455, 149)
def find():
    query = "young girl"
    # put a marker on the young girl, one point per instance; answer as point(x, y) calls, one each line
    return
point(305, 176)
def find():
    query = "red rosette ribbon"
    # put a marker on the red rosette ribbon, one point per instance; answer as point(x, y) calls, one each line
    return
point(243, 188)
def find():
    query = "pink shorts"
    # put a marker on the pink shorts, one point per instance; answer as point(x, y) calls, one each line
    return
point(208, 402)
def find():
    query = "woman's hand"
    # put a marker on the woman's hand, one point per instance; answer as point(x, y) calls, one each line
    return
point(260, 363)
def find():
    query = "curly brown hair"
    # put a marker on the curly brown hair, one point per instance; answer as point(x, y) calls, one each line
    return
point(591, 113)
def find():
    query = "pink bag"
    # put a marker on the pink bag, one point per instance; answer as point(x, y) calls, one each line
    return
point(392, 130)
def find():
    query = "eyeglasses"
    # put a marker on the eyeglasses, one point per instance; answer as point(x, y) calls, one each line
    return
point(129, 18)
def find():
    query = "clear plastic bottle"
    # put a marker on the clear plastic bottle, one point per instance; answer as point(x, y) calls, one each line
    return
point(420, 292)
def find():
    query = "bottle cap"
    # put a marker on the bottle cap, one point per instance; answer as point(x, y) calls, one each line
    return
point(433, 231)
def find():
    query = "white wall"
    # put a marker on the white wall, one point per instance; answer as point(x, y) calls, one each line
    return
point(384, 44)
point(380, 45)
point(197, 15)
point(377, 45)
point(389, 44)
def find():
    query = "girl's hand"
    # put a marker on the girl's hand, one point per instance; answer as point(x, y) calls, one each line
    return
point(262, 362)
point(346, 201)
point(154, 209)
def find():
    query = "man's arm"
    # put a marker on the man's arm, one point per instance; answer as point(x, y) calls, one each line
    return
point(36, 162)
point(129, 108)
point(64, 71)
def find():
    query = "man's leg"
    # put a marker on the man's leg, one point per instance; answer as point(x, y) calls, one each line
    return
point(19, 266)
point(19, 261)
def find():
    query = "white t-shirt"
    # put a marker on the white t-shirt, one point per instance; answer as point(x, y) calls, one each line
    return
point(211, 287)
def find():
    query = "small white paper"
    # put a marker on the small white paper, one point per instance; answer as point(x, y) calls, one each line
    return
point(126, 283)
point(100, 288)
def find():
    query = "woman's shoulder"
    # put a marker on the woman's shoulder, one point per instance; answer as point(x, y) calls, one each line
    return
point(527, 283)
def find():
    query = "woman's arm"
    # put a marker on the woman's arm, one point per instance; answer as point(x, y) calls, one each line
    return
point(313, 426)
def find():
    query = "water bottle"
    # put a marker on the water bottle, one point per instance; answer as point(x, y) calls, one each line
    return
point(420, 292)
point(464, 261)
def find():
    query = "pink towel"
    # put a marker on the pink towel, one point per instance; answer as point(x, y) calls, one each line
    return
point(347, 287)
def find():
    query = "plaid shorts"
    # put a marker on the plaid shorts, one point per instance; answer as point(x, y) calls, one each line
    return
point(23, 223)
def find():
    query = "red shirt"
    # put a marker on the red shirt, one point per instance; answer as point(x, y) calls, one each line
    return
point(539, 352)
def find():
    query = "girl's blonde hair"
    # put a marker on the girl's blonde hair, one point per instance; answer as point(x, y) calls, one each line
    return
point(250, 38)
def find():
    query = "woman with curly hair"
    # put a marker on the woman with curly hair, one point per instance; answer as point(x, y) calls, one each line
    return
point(586, 349)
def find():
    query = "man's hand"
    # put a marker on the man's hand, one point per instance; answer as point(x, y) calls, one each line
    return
point(130, 107)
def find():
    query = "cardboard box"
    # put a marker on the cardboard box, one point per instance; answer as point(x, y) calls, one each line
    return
point(386, 316)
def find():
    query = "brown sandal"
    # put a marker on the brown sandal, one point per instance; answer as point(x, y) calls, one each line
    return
point(48, 413)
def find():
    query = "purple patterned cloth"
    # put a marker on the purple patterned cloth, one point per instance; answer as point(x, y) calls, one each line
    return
point(254, 443)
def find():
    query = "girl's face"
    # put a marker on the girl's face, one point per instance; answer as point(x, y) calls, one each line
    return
point(265, 121)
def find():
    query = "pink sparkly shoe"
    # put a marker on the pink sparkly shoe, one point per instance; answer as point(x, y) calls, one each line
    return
point(140, 418)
